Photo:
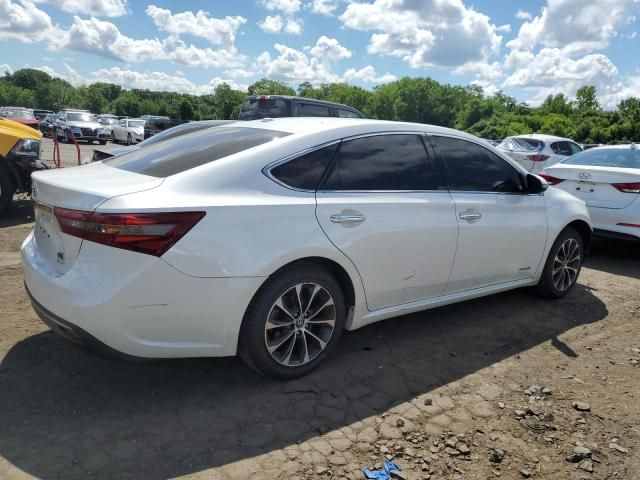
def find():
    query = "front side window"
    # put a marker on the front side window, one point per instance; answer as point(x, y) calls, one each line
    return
point(473, 168)
point(192, 150)
point(311, 110)
point(384, 162)
point(263, 107)
point(305, 171)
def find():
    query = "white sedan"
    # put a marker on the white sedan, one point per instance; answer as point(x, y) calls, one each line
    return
point(128, 130)
point(535, 152)
point(608, 180)
point(269, 238)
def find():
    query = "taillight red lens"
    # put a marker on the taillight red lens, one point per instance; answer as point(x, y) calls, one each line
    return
point(150, 233)
point(550, 180)
point(628, 187)
point(537, 157)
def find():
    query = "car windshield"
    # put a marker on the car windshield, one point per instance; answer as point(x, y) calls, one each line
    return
point(189, 151)
point(607, 157)
point(256, 108)
point(107, 121)
point(522, 144)
point(136, 123)
point(10, 113)
point(79, 117)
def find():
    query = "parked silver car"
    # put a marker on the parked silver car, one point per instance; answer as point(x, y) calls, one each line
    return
point(82, 125)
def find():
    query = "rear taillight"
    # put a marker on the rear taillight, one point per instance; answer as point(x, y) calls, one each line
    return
point(628, 187)
point(634, 225)
point(537, 157)
point(550, 180)
point(150, 233)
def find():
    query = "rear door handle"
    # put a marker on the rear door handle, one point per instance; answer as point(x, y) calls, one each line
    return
point(355, 218)
point(470, 215)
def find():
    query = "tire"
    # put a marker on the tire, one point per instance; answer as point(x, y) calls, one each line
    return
point(294, 335)
point(113, 137)
point(559, 283)
point(129, 142)
point(7, 189)
point(66, 138)
point(103, 142)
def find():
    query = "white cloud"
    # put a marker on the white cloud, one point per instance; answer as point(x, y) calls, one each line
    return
point(96, 8)
point(293, 26)
point(329, 49)
point(288, 7)
point(522, 15)
point(70, 75)
point(5, 68)
point(271, 24)
point(218, 31)
point(506, 28)
point(26, 23)
point(239, 73)
point(291, 65)
point(323, 7)
point(425, 33)
point(368, 75)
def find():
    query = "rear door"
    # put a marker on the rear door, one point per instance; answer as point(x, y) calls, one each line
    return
point(384, 204)
point(502, 229)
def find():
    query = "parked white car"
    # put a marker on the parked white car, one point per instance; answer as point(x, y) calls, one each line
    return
point(608, 180)
point(268, 238)
point(536, 152)
point(128, 130)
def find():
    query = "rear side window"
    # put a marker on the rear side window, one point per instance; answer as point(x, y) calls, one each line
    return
point(562, 148)
point(311, 110)
point(473, 168)
point(189, 151)
point(347, 114)
point(263, 107)
point(305, 171)
point(575, 148)
point(383, 162)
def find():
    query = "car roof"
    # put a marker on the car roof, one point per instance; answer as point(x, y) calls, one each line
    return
point(309, 125)
point(17, 108)
point(543, 137)
point(305, 99)
point(632, 146)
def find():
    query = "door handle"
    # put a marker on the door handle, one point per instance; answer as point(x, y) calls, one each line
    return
point(470, 215)
point(354, 218)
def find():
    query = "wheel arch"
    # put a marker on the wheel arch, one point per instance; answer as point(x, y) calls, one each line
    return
point(584, 229)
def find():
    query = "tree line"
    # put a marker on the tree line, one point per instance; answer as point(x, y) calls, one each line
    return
point(419, 99)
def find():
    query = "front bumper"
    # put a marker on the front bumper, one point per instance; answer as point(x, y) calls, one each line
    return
point(136, 304)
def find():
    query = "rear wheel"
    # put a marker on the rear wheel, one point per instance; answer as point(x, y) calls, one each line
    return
point(563, 265)
point(6, 189)
point(129, 142)
point(293, 323)
point(113, 137)
point(103, 142)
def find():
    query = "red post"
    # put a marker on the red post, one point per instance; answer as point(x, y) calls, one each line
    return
point(56, 146)
point(73, 139)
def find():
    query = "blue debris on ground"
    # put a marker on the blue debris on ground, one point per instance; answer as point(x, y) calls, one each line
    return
point(384, 474)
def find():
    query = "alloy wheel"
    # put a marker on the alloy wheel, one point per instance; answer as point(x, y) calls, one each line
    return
point(300, 324)
point(566, 264)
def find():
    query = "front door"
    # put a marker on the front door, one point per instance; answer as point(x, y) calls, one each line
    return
point(503, 229)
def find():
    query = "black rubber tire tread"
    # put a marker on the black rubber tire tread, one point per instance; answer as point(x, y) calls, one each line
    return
point(251, 347)
point(545, 287)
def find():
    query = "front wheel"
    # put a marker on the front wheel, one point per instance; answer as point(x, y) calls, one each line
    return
point(113, 137)
point(563, 265)
point(293, 323)
point(103, 142)
point(129, 142)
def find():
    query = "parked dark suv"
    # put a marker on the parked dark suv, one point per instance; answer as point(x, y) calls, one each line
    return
point(273, 106)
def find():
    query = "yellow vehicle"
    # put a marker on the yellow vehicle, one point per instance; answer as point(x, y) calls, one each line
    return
point(19, 157)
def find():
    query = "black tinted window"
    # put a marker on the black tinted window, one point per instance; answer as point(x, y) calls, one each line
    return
point(263, 107)
point(561, 148)
point(474, 168)
point(347, 114)
point(189, 151)
point(306, 171)
point(311, 110)
point(383, 162)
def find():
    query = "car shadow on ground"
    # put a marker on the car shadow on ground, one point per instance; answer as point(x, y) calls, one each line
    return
point(19, 213)
point(618, 257)
point(67, 412)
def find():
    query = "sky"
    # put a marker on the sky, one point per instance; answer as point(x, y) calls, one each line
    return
point(528, 49)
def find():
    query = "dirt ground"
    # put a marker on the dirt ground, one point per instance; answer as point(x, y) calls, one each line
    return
point(455, 392)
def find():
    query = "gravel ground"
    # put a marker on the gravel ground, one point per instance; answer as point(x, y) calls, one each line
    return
point(69, 152)
point(509, 386)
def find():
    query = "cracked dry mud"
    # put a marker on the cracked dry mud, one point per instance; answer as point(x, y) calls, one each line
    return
point(450, 393)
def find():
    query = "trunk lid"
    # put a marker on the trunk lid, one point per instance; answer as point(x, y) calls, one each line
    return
point(593, 184)
point(77, 188)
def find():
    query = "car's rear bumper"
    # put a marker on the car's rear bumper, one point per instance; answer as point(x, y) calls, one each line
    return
point(137, 305)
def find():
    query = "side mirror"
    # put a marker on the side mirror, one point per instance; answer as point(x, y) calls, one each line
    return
point(535, 184)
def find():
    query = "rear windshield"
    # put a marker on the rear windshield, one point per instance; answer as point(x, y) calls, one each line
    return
point(22, 114)
point(520, 144)
point(607, 157)
point(256, 108)
point(189, 151)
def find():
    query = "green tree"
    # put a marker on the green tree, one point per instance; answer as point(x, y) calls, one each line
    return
point(227, 102)
point(586, 99)
point(266, 86)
